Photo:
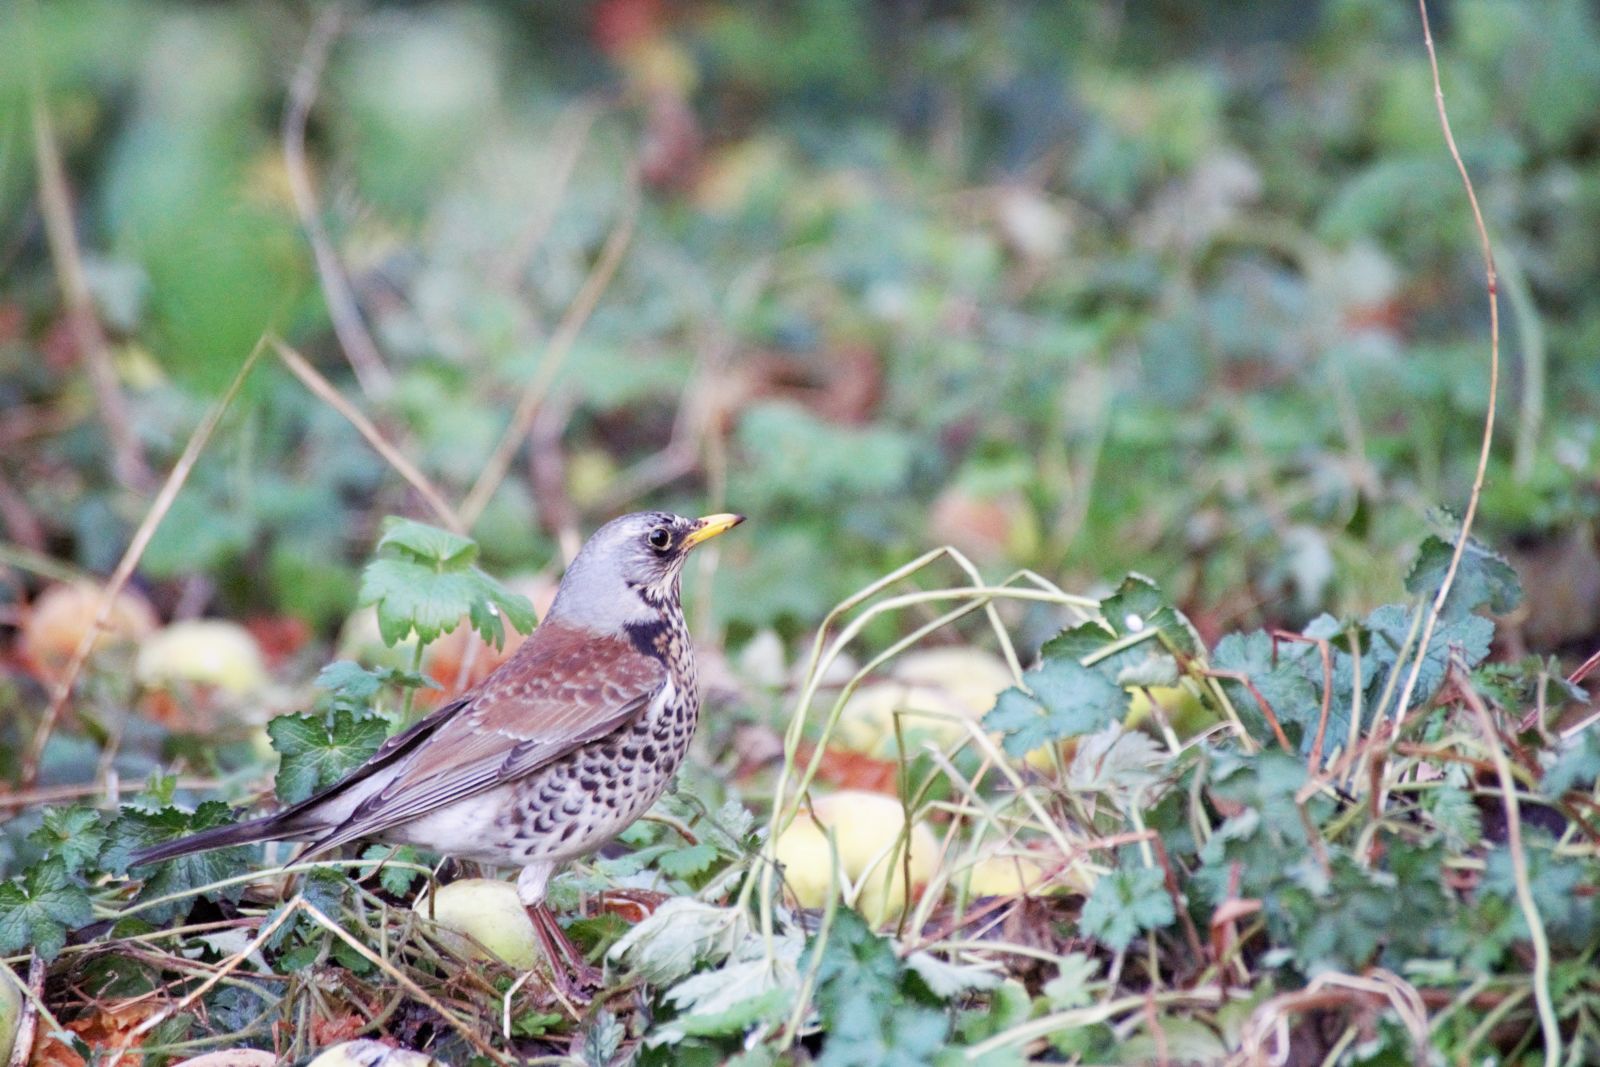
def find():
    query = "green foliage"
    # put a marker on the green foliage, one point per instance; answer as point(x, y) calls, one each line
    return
point(1483, 579)
point(137, 828)
point(1066, 292)
point(1062, 699)
point(871, 1010)
point(1124, 903)
point(38, 908)
point(72, 834)
point(423, 582)
point(319, 750)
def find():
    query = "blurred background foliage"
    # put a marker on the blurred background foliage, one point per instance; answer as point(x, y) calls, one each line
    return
point(1184, 288)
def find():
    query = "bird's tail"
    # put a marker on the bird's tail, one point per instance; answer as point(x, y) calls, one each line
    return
point(267, 828)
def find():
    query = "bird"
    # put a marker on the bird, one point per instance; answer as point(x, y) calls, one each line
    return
point(552, 755)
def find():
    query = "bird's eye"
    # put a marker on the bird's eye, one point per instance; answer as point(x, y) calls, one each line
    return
point(660, 539)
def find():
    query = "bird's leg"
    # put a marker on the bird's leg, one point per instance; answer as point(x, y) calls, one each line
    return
point(570, 971)
point(565, 959)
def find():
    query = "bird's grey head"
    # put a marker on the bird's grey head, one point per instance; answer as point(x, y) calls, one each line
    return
point(629, 569)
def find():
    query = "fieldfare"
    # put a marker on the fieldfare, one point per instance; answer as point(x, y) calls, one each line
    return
point(555, 753)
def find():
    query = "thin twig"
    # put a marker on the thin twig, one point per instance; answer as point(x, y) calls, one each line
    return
point(554, 358)
point(1519, 863)
point(464, 1029)
point(324, 389)
point(1314, 763)
point(224, 969)
point(354, 339)
point(1494, 376)
point(130, 559)
point(128, 462)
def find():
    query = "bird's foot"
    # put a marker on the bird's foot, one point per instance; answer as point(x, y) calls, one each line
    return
point(572, 976)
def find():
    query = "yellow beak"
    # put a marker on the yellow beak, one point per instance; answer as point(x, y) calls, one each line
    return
point(709, 527)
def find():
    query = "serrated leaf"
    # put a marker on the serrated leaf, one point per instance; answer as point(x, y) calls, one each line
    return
point(688, 861)
point(1124, 903)
point(72, 834)
point(1122, 764)
point(1578, 764)
point(318, 750)
point(1389, 625)
point(38, 908)
point(602, 1039)
point(413, 597)
point(1062, 699)
point(426, 544)
point(1453, 811)
point(1483, 578)
point(1137, 607)
point(730, 999)
point(1282, 683)
point(677, 937)
point(1070, 987)
point(135, 829)
point(396, 880)
point(349, 679)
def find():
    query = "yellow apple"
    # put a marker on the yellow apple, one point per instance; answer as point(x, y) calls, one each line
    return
point(211, 652)
point(867, 829)
point(487, 911)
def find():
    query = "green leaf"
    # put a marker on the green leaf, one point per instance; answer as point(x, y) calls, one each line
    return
point(1138, 606)
point(417, 597)
point(602, 1039)
point(1389, 625)
point(396, 880)
point(1070, 987)
point(1578, 764)
point(1453, 811)
point(1282, 682)
point(350, 680)
point(677, 937)
point(1483, 579)
point(1063, 699)
point(423, 581)
point(945, 979)
point(728, 1000)
point(135, 829)
point(319, 750)
point(73, 834)
point(422, 543)
point(688, 861)
point(1123, 903)
point(869, 1014)
point(38, 908)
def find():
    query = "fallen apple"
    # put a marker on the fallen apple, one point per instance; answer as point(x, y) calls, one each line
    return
point(488, 912)
point(869, 831)
point(1182, 707)
point(212, 652)
point(932, 691)
point(59, 617)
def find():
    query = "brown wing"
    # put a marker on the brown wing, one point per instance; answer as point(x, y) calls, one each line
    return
point(564, 687)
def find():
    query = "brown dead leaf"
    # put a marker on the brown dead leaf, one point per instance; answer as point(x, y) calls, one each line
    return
point(852, 770)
